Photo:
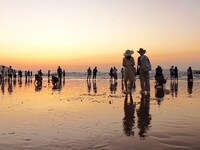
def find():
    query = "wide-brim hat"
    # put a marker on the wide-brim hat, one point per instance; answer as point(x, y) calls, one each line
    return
point(141, 51)
point(128, 52)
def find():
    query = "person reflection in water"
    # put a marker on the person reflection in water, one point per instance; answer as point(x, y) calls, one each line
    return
point(159, 94)
point(144, 118)
point(113, 86)
point(94, 86)
point(190, 86)
point(174, 88)
point(129, 118)
point(89, 86)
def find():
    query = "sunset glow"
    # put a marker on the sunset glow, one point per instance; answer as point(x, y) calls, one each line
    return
point(77, 34)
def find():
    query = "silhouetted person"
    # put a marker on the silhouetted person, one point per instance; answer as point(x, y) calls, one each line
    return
point(95, 73)
point(89, 73)
point(115, 73)
point(3, 73)
point(10, 73)
point(160, 80)
point(129, 72)
point(55, 80)
point(129, 118)
point(172, 73)
point(144, 118)
point(176, 73)
point(20, 76)
point(111, 73)
point(49, 74)
point(144, 67)
point(59, 72)
point(63, 74)
point(14, 75)
point(189, 74)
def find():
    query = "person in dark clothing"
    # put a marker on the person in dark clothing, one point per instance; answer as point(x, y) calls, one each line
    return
point(176, 73)
point(189, 74)
point(160, 80)
point(95, 73)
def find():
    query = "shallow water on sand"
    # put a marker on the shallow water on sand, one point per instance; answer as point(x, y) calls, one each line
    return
point(96, 115)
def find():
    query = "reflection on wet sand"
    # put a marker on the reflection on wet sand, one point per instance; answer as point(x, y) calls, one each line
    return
point(129, 118)
point(174, 88)
point(144, 118)
point(190, 87)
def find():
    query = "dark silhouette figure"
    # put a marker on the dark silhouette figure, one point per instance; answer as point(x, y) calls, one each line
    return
point(20, 76)
point(129, 118)
point(159, 78)
point(59, 72)
point(63, 74)
point(89, 73)
point(144, 118)
point(95, 73)
point(172, 73)
point(54, 80)
point(10, 74)
point(189, 74)
point(49, 74)
point(176, 73)
point(111, 73)
point(115, 73)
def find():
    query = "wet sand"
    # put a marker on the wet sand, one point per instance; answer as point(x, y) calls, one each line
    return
point(98, 116)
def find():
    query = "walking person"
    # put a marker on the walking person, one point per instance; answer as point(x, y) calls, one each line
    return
point(3, 73)
point(129, 71)
point(144, 68)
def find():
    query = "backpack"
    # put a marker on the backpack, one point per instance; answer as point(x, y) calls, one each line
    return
point(145, 64)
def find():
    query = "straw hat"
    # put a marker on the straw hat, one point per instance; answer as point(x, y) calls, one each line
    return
point(141, 51)
point(128, 52)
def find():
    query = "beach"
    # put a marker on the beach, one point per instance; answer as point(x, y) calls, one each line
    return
point(96, 115)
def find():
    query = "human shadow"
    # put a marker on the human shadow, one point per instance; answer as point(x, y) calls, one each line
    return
point(144, 118)
point(129, 118)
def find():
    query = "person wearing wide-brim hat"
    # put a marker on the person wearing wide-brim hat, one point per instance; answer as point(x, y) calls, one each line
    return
point(144, 66)
point(129, 71)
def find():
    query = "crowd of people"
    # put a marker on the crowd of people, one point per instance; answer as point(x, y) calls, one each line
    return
point(128, 73)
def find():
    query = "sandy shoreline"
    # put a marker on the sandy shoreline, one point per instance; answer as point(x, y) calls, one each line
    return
point(74, 118)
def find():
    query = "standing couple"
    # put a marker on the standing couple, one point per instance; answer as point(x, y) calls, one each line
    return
point(144, 67)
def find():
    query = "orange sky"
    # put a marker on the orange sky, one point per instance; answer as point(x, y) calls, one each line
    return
point(77, 34)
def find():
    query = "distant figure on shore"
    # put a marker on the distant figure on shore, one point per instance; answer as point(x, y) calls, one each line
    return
point(144, 68)
point(14, 75)
point(10, 73)
point(129, 72)
point(111, 73)
point(55, 80)
point(172, 73)
point(176, 73)
point(189, 74)
point(160, 80)
point(115, 73)
point(59, 72)
point(38, 78)
point(20, 76)
point(95, 73)
point(89, 73)
point(49, 73)
point(3, 73)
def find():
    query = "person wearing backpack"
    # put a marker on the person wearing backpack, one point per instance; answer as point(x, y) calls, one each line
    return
point(144, 66)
